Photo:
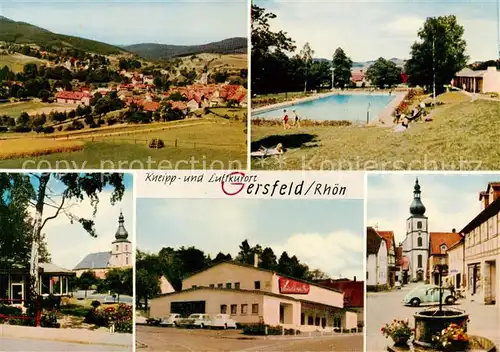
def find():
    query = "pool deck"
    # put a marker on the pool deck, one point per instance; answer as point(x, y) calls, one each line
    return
point(384, 118)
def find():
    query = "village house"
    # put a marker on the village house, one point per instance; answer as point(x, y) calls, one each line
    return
point(439, 242)
point(179, 105)
point(137, 79)
point(150, 106)
point(399, 263)
point(376, 261)
point(69, 97)
point(481, 81)
point(392, 267)
point(354, 294)
point(482, 248)
point(456, 265)
point(120, 255)
point(252, 295)
point(358, 77)
point(148, 80)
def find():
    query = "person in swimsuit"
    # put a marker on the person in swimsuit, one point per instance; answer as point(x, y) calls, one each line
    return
point(297, 121)
point(285, 120)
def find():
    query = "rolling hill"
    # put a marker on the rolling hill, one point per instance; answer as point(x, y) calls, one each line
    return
point(25, 33)
point(153, 51)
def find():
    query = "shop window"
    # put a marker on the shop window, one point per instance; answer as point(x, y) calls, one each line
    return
point(229, 285)
point(223, 309)
point(302, 318)
point(234, 309)
point(255, 308)
point(237, 285)
point(220, 285)
point(310, 320)
point(212, 285)
point(244, 309)
point(317, 321)
point(257, 285)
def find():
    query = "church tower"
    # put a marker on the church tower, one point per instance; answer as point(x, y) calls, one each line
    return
point(416, 243)
point(121, 251)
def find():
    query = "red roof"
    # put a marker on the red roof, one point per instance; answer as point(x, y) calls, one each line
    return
point(151, 106)
point(68, 95)
point(178, 105)
point(354, 291)
point(357, 76)
point(388, 237)
point(439, 238)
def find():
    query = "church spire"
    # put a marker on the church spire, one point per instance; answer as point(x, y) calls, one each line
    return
point(121, 233)
point(417, 207)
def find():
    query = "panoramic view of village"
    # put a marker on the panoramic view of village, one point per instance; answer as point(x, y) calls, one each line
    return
point(145, 100)
point(407, 85)
point(432, 257)
point(80, 298)
point(254, 287)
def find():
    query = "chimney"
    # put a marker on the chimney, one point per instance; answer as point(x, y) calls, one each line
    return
point(354, 278)
point(255, 260)
point(454, 230)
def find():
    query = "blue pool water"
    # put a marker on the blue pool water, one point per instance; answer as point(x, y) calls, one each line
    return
point(334, 107)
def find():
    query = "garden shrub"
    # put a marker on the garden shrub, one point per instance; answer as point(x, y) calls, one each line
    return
point(9, 310)
point(95, 304)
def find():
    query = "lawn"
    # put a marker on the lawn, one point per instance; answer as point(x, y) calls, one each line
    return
point(211, 143)
point(32, 108)
point(462, 136)
point(16, 62)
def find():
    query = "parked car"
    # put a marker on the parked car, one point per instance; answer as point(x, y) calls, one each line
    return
point(171, 320)
point(428, 294)
point(223, 321)
point(139, 319)
point(196, 321)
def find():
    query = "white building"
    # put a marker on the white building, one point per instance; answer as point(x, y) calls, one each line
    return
point(120, 255)
point(376, 261)
point(456, 269)
point(416, 243)
point(254, 295)
point(481, 81)
point(482, 249)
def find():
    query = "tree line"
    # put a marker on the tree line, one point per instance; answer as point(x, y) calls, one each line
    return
point(435, 58)
point(176, 264)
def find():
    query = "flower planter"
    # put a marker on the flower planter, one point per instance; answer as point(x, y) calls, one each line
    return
point(401, 341)
point(431, 322)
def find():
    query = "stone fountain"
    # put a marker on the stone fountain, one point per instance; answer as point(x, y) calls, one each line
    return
point(430, 322)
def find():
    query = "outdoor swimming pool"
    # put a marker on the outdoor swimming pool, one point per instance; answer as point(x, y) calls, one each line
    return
point(351, 107)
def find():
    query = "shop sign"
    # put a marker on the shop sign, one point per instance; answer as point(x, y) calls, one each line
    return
point(288, 286)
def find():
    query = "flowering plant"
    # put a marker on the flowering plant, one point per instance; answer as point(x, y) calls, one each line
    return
point(453, 336)
point(398, 330)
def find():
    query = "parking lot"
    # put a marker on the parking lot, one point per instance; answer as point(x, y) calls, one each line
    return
point(152, 338)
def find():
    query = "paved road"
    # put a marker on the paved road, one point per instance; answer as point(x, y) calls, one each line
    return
point(184, 340)
point(383, 307)
point(31, 345)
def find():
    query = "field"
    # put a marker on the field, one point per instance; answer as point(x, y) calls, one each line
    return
point(208, 142)
point(234, 61)
point(462, 136)
point(16, 62)
point(32, 108)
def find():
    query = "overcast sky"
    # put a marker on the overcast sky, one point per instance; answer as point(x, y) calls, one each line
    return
point(180, 22)
point(326, 235)
point(68, 243)
point(369, 29)
point(451, 201)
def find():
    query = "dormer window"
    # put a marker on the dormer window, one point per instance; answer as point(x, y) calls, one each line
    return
point(443, 248)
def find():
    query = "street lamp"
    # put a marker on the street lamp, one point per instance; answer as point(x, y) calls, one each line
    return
point(333, 75)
